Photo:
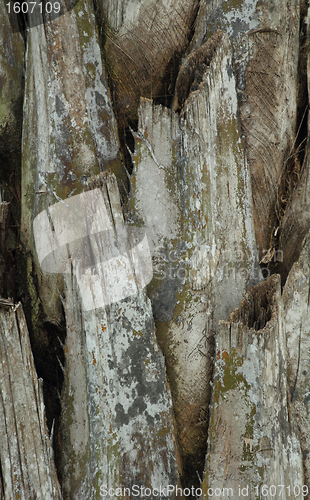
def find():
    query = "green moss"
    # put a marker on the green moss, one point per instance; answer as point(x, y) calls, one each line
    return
point(85, 23)
point(32, 291)
point(137, 334)
point(232, 378)
point(229, 5)
point(113, 458)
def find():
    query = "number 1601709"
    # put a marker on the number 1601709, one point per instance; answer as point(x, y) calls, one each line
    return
point(32, 7)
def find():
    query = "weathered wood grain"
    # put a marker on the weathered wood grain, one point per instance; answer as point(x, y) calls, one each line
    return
point(269, 110)
point(27, 467)
point(295, 221)
point(265, 41)
point(69, 131)
point(191, 192)
point(297, 326)
point(253, 440)
point(117, 421)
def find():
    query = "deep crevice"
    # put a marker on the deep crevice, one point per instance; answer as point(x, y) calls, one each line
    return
point(53, 382)
point(257, 306)
point(164, 95)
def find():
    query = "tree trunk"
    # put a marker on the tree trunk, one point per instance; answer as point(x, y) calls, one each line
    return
point(155, 229)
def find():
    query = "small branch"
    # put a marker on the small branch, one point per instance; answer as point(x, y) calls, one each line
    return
point(149, 147)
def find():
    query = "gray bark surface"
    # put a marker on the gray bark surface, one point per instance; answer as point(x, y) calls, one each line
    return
point(26, 454)
point(116, 400)
point(202, 271)
point(160, 153)
point(252, 440)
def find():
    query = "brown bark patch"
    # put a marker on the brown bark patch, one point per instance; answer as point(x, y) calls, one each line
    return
point(257, 306)
point(192, 70)
point(143, 56)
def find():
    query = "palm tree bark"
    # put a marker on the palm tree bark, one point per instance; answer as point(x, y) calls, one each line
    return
point(165, 138)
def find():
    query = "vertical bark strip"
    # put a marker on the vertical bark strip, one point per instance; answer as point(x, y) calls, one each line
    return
point(265, 40)
point(252, 439)
point(297, 325)
point(117, 418)
point(69, 131)
point(11, 111)
point(296, 218)
point(26, 456)
point(191, 192)
point(11, 84)
point(269, 108)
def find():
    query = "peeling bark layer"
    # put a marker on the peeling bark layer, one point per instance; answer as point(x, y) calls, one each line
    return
point(26, 458)
point(252, 439)
point(295, 221)
point(117, 419)
point(191, 193)
point(265, 39)
point(269, 112)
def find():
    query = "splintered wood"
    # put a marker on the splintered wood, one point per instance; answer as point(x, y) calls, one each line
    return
point(191, 192)
point(26, 455)
point(253, 441)
point(144, 42)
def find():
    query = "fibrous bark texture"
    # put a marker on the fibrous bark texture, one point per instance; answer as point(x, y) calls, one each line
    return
point(297, 326)
point(69, 134)
point(27, 467)
point(253, 441)
point(144, 42)
point(269, 110)
point(296, 219)
point(266, 47)
point(205, 104)
point(190, 185)
point(117, 421)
